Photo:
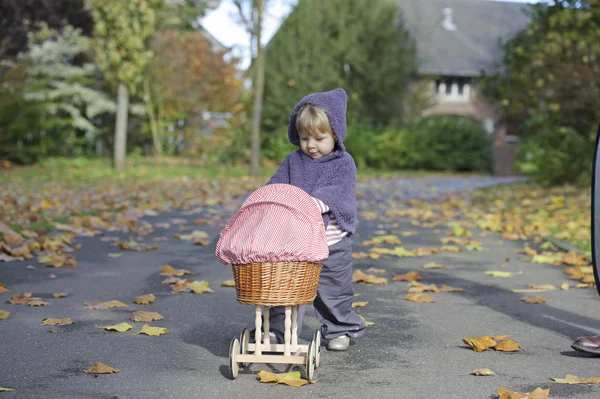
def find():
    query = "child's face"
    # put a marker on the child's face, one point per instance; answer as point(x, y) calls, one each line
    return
point(316, 146)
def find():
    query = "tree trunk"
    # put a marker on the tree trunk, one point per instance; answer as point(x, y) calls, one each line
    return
point(259, 84)
point(121, 126)
point(152, 118)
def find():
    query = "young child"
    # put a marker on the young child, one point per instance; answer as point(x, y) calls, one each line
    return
point(323, 169)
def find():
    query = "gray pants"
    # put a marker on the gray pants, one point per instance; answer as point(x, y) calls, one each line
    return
point(333, 303)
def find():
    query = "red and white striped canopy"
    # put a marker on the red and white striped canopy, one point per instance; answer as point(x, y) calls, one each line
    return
point(276, 223)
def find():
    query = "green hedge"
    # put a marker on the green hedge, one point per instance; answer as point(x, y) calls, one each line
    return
point(556, 156)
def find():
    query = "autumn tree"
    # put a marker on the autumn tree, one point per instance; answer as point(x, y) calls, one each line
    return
point(360, 45)
point(252, 13)
point(187, 76)
point(121, 43)
point(550, 72)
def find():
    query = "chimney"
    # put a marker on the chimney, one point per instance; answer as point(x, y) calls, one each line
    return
point(448, 24)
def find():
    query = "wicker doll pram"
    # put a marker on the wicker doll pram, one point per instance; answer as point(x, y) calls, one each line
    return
point(276, 245)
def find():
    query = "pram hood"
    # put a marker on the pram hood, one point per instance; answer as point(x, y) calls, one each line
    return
point(276, 223)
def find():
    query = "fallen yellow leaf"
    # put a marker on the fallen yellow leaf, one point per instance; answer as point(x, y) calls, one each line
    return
point(564, 286)
point(410, 276)
point(121, 327)
point(360, 304)
point(537, 299)
point(416, 287)
point(20, 299)
point(387, 239)
point(433, 265)
point(101, 368)
point(502, 274)
point(367, 323)
point(105, 305)
point(37, 302)
point(200, 287)
point(479, 344)
point(420, 298)
point(228, 283)
point(143, 316)
point(542, 287)
point(63, 321)
point(144, 299)
point(537, 393)
point(4, 314)
point(152, 331)
point(360, 277)
point(60, 294)
point(292, 378)
point(3, 289)
point(482, 372)
point(168, 270)
point(573, 379)
point(447, 288)
point(507, 345)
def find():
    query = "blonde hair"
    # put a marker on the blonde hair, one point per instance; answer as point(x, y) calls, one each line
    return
point(312, 120)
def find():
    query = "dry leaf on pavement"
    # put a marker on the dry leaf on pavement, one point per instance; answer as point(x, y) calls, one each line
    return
point(502, 274)
point(168, 270)
point(144, 299)
point(20, 299)
point(63, 321)
point(368, 323)
point(433, 265)
point(4, 314)
point(573, 379)
point(507, 345)
point(105, 305)
point(121, 327)
point(537, 393)
point(60, 294)
point(143, 316)
point(447, 288)
point(359, 304)
point(101, 368)
point(480, 344)
point(3, 289)
point(420, 298)
point(537, 299)
point(152, 331)
point(228, 283)
point(482, 372)
point(359, 277)
point(410, 276)
point(200, 287)
point(37, 302)
point(292, 378)
point(416, 287)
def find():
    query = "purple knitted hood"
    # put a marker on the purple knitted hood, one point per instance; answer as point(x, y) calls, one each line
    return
point(334, 103)
point(332, 178)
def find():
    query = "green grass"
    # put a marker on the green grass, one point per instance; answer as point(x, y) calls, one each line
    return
point(77, 171)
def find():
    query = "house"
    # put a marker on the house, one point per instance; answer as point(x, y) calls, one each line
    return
point(456, 40)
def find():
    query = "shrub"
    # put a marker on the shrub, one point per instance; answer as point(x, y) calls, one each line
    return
point(450, 143)
point(556, 156)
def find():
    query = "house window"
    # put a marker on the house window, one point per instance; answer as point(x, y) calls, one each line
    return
point(453, 89)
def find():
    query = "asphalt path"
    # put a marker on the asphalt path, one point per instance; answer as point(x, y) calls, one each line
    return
point(414, 350)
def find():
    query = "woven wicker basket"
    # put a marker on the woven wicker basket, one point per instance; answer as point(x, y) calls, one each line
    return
point(277, 283)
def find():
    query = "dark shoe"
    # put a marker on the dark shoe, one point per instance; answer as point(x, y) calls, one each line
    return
point(587, 344)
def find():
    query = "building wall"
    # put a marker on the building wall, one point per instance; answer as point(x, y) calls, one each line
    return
point(445, 98)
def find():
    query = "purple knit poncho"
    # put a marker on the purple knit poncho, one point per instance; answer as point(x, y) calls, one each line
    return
point(332, 178)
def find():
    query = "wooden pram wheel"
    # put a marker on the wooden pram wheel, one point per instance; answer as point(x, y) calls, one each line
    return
point(234, 350)
point(244, 342)
point(317, 341)
point(310, 361)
